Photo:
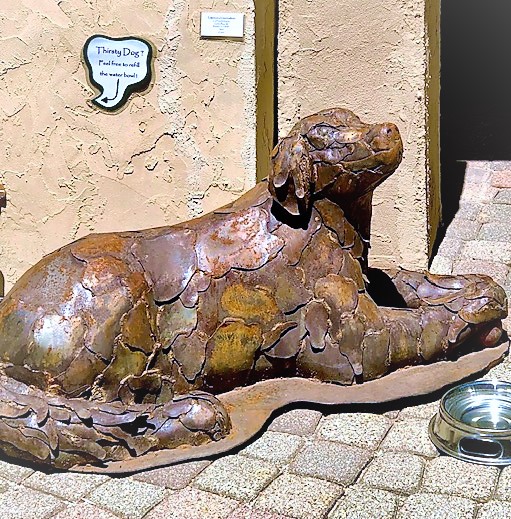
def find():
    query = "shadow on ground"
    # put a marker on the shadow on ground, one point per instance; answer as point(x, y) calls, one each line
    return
point(475, 101)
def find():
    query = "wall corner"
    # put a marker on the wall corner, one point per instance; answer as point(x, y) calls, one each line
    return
point(432, 89)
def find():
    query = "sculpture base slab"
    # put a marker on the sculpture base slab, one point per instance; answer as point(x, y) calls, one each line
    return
point(250, 407)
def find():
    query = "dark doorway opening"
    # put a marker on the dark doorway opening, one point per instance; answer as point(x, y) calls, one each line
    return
point(475, 99)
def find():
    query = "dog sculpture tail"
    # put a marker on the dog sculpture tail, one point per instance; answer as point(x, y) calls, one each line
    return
point(64, 432)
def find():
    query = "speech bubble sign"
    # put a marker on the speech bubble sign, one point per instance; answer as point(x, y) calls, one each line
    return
point(117, 67)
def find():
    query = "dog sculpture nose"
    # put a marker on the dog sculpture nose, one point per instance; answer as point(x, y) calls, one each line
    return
point(383, 136)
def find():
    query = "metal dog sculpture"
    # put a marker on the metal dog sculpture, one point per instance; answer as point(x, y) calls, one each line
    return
point(135, 349)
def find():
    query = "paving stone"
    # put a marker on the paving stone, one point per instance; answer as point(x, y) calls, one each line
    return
point(494, 510)
point(424, 411)
point(492, 165)
point(297, 421)
point(126, 497)
point(238, 477)
point(506, 323)
point(501, 371)
point(4, 485)
point(410, 434)
point(501, 179)
point(360, 429)
point(330, 460)
point(435, 506)
point(484, 216)
point(246, 512)
point(19, 502)
point(495, 213)
point(473, 192)
point(274, 446)
point(504, 485)
point(83, 510)
point(498, 271)
point(67, 485)
point(468, 210)
point(450, 248)
point(174, 477)
point(503, 197)
point(363, 502)
point(494, 231)
point(447, 475)
point(476, 164)
point(463, 229)
point(477, 175)
point(14, 472)
point(441, 265)
point(192, 503)
point(298, 496)
point(398, 471)
point(499, 251)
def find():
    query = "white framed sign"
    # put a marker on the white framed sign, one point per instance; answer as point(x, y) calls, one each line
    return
point(117, 67)
point(222, 25)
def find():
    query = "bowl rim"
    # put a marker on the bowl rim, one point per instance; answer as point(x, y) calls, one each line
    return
point(445, 415)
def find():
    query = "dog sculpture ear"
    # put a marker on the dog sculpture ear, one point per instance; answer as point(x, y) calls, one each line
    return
point(293, 174)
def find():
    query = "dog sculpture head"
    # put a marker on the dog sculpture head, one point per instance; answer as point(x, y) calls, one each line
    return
point(335, 154)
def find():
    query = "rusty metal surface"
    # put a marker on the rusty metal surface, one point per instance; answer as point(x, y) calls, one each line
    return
point(124, 348)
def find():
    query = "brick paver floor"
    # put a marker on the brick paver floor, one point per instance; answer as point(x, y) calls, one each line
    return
point(313, 464)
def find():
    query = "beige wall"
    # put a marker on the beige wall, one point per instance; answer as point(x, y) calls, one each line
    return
point(190, 144)
point(372, 56)
point(187, 146)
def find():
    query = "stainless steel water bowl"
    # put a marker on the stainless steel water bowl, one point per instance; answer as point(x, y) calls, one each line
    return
point(474, 422)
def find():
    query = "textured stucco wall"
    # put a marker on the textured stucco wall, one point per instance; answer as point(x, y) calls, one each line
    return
point(184, 148)
point(370, 56)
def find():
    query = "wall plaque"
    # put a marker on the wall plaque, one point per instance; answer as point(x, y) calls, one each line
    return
point(222, 25)
point(117, 67)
